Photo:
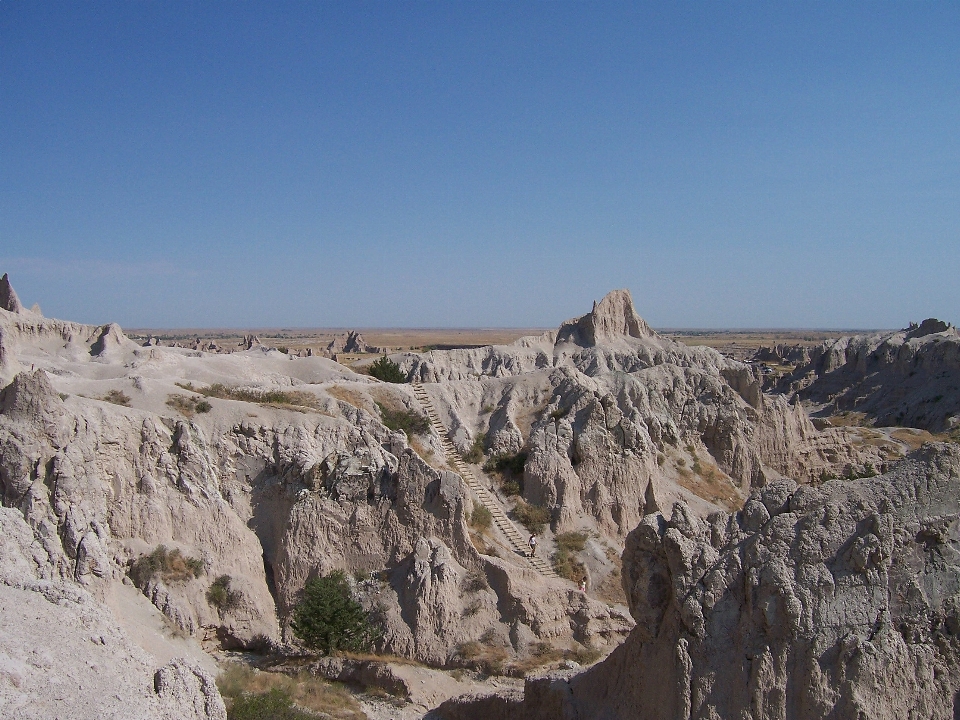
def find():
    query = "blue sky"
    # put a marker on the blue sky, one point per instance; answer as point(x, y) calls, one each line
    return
point(186, 164)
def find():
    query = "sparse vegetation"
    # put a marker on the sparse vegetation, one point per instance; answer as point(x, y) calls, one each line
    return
point(187, 406)
point(484, 657)
point(509, 470)
point(220, 594)
point(486, 409)
point(248, 692)
point(117, 397)
point(565, 562)
point(290, 398)
point(170, 565)
point(475, 453)
point(328, 619)
point(387, 370)
point(533, 517)
point(475, 581)
point(409, 422)
point(481, 518)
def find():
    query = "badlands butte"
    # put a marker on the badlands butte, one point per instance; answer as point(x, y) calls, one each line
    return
point(778, 538)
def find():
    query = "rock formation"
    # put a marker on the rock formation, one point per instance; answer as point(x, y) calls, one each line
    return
point(350, 342)
point(836, 602)
point(910, 377)
point(8, 297)
point(62, 653)
point(614, 317)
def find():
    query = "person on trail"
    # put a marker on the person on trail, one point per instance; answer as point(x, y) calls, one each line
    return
point(533, 545)
point(583, 585)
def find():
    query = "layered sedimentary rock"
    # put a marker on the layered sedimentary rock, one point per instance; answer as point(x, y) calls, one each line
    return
point(836, 602)
point(909, 377)
point(62, 653)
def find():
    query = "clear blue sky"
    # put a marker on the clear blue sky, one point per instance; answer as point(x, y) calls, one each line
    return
point(481, 164)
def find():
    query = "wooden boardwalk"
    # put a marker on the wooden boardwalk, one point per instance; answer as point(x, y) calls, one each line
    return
point(517, 540)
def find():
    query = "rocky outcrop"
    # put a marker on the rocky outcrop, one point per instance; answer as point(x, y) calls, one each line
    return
point(613, 318)
point(910, 377)
point(8, 296)
point(62, 654)
point(841, 601)
point(350, 342)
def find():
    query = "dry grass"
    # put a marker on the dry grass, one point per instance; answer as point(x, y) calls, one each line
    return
point(187, 406)
point(352, 397)
point(704, 479)
point(117, 397)
point(307, 691)
point(849, 419)
point(912, 438)
point(171, 565)
point(564, 559)
point(544, 655)
point(286, 399)
point(484, 657)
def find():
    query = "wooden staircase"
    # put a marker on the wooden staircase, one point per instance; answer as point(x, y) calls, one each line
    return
point(517, 540)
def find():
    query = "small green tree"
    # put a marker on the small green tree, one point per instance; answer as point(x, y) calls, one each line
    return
point(387, 370)
point(328, 619)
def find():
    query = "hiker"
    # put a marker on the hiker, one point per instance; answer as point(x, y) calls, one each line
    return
point(533, 545)
point(583, 585)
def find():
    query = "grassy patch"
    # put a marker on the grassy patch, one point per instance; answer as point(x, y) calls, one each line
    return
point(533, 517)
point(850, 419)
point(404, 420)
point(289, 398)
point(509, 470)
point(484, 657)
point(170, 565)
point(351, 397)
point(481, 518)
point(564, 559)
point(543, 654)
point(187, 406)
point(117, 397)
point(475, 453)
point(239, 685)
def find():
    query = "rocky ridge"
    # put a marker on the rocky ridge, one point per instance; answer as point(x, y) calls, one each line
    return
point(829, 602)
point(909, 377)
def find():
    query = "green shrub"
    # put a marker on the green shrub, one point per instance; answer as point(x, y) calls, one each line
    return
point(481, 518)
point(328, 619)
point(565, 563)
point(387, 370)
point(273, 705)
point(221, 596)
point(170, 565)
point(405, 420)
point(203, 407)
point(532, 517)
point(509, 469)
point(475, 454)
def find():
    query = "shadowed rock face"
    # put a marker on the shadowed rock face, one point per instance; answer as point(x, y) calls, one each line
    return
point(836, 602)
point(8, 297)
point(910, 377)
